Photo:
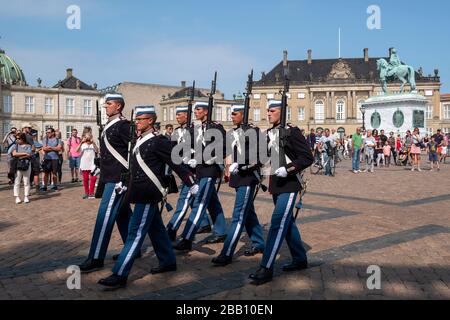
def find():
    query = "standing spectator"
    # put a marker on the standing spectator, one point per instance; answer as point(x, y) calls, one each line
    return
point(444, 148)
point(416, 149)
point(393, 144)
point(22, 154)
point(169, 131)
point(58, 135)
point(408, 143)
point(312, 140)
point(357, 142)
point(376, 136)
point(379, 150)
point(383, 137)
point(52, 147)
point(433, 154)
point(36, 160)
point(327, 144)
point(8, 143)
point(387, 154)
point(369, 150)
point(74, 154)
point(439, 138)
point(88, 150)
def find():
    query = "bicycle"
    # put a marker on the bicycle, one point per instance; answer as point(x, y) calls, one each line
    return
point(320, 164)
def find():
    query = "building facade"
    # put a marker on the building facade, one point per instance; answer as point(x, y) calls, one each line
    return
point(328, 93)
point(68, 104)
point(445, 112)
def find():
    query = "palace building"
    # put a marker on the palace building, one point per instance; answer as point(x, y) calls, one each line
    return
point(328, 93)
point(68, 104)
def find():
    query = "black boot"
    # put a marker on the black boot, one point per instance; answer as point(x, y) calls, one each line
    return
point(171, 267)
point(295, 266)
point(91, 265)
point(261, 276)
point(205, 229)
point(222, 260)
point(116, 256)
point(183, 245)
point(216, 239)
point(113, 282)
point(253, 251)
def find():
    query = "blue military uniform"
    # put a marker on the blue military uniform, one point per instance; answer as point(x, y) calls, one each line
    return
point(185, 199)
point(284, 192)
point(114, 154)
point(207, 173)
point(148, 188)
point(244, 179)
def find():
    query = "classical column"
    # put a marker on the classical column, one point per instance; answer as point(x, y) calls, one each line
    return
point(355, 106)
point(349, 106)
point(326, 106)
point(332, 107)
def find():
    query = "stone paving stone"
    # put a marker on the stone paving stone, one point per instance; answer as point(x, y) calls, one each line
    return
point(348, 225)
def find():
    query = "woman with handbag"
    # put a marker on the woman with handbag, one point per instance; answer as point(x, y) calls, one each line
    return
point(22, 154)
point(416, 148)
point(88, 150)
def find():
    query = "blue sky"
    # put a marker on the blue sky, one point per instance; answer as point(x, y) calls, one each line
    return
point(169, 41)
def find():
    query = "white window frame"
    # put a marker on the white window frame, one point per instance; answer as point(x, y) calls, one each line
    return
point(70, 108)
point(29, 104)
point(7, 125)
point(256, 114)
point(319, 117)
point(340, 114)
point(218, 113)
point(48, 105)
point(270, 96)
point(164, 114)
point(256, 96)
point(446, 111)
point(7, 104)
point(171, 114)
point(430, 131)
point(301, 114)
point(69, 132)
point(87, 107)
point(301, 95)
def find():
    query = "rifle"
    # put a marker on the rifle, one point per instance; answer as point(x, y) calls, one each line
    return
point(283, 129)
point(247, 95)
point(133, 138)
point(211, 101)
point(99, 120)
point(191, 100)
point(101, 184)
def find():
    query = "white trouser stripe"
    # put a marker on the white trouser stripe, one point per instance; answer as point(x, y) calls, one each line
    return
point(280, 230)
point(183, 211)
point(241, 218)
point(136, 240)
point(105, 224)
point(200, 208)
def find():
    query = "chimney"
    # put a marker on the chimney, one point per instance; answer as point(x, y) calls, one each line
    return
point(309, 56)
point(366, 55)
point(285, 58)
point(183, 84)
point(69, 73)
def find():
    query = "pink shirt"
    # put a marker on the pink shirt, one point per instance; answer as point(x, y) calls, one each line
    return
point(73, 144)
point(387, 150)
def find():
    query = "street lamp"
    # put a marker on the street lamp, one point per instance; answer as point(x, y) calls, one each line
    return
point(363, 111)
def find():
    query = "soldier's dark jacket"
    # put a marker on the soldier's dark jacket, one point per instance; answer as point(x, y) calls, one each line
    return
point(156, 153)
point(204, 170)
point(118, 136)
point(246, 175)
point(299, 153)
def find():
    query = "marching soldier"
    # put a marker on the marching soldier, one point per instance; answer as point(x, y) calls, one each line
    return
point(113, 151)
point(284, 187)
point(148, 188)
point(207, 173)
point(185, 199)
point(244, 177)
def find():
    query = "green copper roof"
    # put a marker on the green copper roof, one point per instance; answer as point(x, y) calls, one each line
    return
point(10, 72)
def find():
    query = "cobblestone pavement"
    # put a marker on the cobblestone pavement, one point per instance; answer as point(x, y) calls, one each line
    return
point(395, 219)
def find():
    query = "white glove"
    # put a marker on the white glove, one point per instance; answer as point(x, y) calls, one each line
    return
point(281, 172)
point(194, 189)
point(192, 163)
point(120, 188)
point(234, 168)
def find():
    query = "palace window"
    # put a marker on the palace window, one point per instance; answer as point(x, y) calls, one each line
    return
point(429, 113)
point(70, 106)
point(256, 96)
point(7, 104)
point(319, 111)
point(446, 111)
point(340, 110)
point(6, 127)
point(48, 107)
point(270, 96)
point(171, 114)
point(256, 115)
point(87, 108)
point(218, 114)
point(164, 114)
point(69, 131)
point(29, 104)
point(301, 114)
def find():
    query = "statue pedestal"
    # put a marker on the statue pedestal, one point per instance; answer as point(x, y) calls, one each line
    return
point(396, 113)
